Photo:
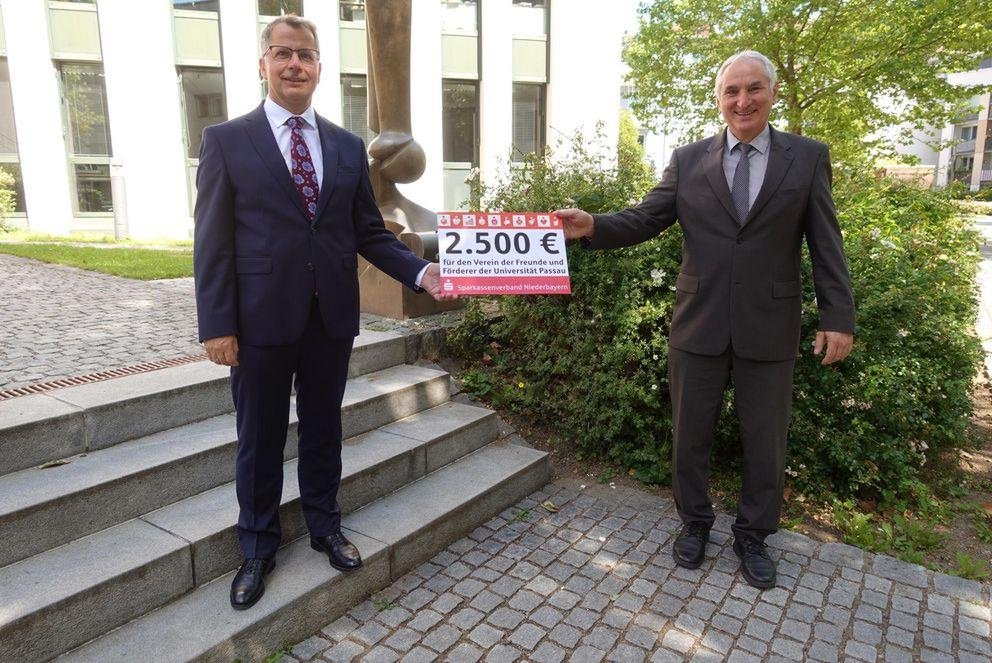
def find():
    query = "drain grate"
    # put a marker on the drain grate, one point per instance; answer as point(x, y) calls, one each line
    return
point(109, 374)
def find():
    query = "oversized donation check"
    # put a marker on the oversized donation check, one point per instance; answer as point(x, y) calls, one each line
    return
point(502, 253)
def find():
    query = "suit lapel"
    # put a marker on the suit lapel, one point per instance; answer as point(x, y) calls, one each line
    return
point(260, 134)
point(779, 161)
point(329, 156)
point(713, 168)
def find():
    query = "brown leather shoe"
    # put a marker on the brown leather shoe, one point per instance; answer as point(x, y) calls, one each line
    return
point(249, 582)
point(342, 553)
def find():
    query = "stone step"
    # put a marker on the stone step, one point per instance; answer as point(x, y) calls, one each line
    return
point(304, 593)
point(374, 464)
point(61, 598)
point(42, 427)
point(44, 508)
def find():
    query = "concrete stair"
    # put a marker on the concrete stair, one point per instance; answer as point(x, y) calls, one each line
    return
point(44, 427)
point(135, 532)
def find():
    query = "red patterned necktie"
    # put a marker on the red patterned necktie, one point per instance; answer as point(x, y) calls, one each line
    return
point(304, 175)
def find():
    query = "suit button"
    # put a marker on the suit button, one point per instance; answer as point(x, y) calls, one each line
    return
point(309, 266)
point(313, 230)
point(740, 240)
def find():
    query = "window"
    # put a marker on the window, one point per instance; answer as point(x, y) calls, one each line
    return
point(93, 192)
point(14, 170)
point(460, 121)
point(352, 11)
point(986, 63)
point(528, 119)
point(8, 134)
point(530, 17)
point(86, 109)
point(197, 5)
point(459, 16)
point(969, 133)
point(203, 104)
point(962, 168)
point(280, 7)
point(85, 99)
point(355, 106)
point(9, 162)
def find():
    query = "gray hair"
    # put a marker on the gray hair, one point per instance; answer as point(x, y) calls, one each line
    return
point(765, 63)
point(293, 21)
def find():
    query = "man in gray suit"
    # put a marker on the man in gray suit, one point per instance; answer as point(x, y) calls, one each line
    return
point(745, 199)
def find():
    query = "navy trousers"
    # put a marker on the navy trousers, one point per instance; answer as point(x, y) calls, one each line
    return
point(261, 385)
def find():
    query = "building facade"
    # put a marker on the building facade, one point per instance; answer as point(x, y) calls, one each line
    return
point(969, 158)
point(103, 102)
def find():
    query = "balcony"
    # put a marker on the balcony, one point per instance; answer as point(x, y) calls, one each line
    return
point(965, 147)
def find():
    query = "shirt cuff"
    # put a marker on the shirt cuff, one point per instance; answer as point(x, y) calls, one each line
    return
point(420, 276)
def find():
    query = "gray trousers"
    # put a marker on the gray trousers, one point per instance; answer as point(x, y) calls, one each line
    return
point(763, 399)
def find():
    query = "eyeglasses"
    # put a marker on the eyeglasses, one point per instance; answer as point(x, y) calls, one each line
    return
point(285, 54)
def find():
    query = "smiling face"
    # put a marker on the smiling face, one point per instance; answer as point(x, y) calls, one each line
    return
point(291, 84)
point(745, 98)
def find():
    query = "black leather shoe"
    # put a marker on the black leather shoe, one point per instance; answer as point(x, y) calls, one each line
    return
point(341, 552)
point(756, 565)
point(249, 582)
point(689, 547)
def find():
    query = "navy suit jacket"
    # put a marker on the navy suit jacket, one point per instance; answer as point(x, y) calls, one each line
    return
point(257, 257)
point(740, 284)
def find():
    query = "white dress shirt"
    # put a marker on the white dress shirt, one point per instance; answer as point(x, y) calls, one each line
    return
point(277, 117)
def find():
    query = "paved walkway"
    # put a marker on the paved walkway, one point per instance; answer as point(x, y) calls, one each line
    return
point(58, 321)
point(591, 581)
point(984, 326)
point(595, 581)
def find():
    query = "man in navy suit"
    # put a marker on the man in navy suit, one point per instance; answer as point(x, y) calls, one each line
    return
point(284, 206)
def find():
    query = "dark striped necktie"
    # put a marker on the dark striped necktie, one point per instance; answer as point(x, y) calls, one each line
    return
point(741, 190)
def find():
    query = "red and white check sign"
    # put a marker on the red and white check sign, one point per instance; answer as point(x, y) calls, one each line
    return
point(502, 253)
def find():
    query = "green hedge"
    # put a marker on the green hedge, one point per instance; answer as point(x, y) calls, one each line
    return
point(594, 365)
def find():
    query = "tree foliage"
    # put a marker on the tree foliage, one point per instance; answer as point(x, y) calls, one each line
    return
point(847, 68)
point(630, 154)
point(8, 198)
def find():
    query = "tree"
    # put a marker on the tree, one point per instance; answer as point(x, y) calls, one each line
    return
point(847, 68)
point(630, 153)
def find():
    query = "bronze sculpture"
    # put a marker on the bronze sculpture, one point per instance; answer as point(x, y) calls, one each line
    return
point(395, 158)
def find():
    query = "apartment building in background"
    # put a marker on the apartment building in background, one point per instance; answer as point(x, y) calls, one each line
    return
point(969, 159)
point(966, 154)
point(103, 102)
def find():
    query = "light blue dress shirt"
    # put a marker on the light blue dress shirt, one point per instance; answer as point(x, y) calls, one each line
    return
point(758, 160)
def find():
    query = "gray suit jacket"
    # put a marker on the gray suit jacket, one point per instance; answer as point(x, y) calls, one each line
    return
point(740, 284)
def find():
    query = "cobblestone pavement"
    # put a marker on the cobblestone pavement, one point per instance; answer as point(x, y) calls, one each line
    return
point(596, 581)
point(593, 581)
point(58, 321)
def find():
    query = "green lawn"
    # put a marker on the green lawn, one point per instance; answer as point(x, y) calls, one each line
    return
point(143, 264)
point(24, 235)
